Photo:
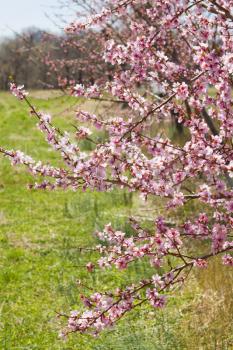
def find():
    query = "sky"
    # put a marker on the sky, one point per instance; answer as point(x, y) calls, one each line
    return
point(16, 15)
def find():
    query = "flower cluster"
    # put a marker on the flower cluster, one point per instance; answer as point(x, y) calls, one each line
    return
point(91, 92)
point(18, 91)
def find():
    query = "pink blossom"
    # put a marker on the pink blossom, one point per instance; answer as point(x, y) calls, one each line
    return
point(18, 91)
point(182, 91)
point(201, 263)
point(218, 237)
point(227, 260)
point(156, 300)
point(82, 132)
point(230, 206)
point(90, 266)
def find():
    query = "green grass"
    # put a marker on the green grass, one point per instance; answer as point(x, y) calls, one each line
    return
point(40, 263)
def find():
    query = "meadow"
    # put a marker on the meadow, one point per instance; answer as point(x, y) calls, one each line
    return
point(40, 258)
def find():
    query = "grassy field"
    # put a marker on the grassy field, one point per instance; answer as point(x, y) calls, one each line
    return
point(40, 263)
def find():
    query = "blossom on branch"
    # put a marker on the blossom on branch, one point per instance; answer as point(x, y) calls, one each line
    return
point(18, 91)
point(169, 62)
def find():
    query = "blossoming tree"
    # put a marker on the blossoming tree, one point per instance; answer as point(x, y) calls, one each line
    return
point(185, 48)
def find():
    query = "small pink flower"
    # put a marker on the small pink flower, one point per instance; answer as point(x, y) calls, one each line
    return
point(156, 300)
point(182, 91)
point(227, 259)
point(201, 263)
point(90, 266)
point(18, 91)
point(83, 132)
point(230, 206)
point(78, 90)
